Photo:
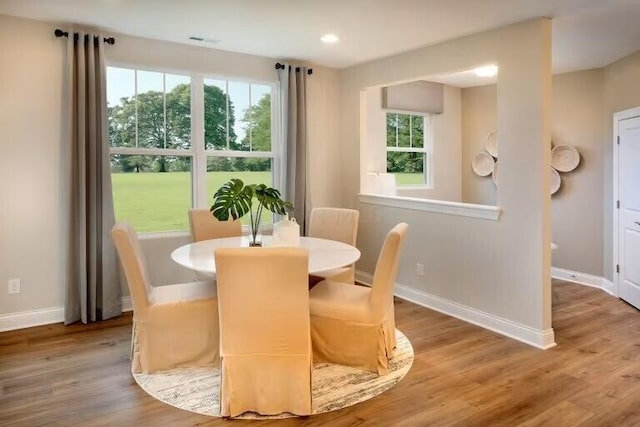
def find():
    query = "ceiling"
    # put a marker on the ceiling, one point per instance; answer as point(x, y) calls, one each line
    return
point(586, 33)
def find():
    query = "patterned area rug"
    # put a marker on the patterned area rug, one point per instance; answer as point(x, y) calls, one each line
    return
point(334, 386)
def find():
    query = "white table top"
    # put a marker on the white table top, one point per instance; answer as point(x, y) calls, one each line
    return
point(323, 254)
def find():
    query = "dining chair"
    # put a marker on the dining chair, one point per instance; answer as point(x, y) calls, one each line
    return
point(205, 226)
point(335, 224)
point(355, 325)
point(265, 344)
point(174, 325)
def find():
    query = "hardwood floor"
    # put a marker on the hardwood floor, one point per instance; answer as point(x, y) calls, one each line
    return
point(462, 375)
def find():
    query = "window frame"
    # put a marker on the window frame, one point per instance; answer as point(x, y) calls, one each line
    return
point(197, 151)
point(426, 149)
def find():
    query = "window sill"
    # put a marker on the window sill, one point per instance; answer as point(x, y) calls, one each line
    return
point(414, 187)
point(436, 206)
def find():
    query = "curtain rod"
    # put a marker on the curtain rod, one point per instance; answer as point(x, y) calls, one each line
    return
point(59, 33)
point(280, 66)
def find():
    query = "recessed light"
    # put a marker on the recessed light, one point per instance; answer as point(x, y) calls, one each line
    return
point(329, 38)
point(487, 71)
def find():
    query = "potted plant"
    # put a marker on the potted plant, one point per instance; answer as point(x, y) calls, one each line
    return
point(235, 199)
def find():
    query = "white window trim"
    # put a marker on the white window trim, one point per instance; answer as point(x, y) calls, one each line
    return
point(427, 149)
point(436, 206)
point(198, 152)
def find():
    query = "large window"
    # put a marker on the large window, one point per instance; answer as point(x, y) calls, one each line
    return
point(176, 138)
point(408, 156)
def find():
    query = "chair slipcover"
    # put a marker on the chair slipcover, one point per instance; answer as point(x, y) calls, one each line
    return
point(354, 325)
point(173, 326)
point(205, 226)
point(335, 224)
point(265, 344)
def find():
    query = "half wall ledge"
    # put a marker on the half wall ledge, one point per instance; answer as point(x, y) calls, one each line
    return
point(429, 205)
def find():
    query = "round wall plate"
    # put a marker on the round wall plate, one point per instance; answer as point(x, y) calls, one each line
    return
point(494, 174)
point(492, 144)
point(564, 158)
point(555, 181)
point(482, 164)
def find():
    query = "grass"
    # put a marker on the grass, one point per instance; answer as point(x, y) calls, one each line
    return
point(154, 201)
point(409, 178)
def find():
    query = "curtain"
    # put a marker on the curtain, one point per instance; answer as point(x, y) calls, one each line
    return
point(92, 288)
point(293, 81)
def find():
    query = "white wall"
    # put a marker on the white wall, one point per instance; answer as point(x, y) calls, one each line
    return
point(500, 268)
point(31, 196)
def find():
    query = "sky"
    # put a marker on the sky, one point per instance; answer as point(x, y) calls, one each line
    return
point(121, 82)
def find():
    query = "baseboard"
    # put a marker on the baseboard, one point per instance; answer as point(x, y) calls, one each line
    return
point(43, 316)
point(27, 319)
point(583, 279)
point(543, 339)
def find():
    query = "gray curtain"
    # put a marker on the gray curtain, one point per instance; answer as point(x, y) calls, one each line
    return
point(293, 85)
point(92, 290)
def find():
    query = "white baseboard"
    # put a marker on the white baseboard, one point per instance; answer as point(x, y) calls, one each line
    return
point(543, 339)
point(584, 279)
point(43, 316)
point(27, 319)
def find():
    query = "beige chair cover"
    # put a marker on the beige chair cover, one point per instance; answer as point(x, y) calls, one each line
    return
point(205, 226)
point(265, 344)
point(335, 224)
point(354, 325)
point(173, 326)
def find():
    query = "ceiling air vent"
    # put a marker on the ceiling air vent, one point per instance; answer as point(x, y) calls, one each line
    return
point(203, 40)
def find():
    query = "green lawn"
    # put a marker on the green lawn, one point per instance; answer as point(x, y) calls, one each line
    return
point(409, 178)
point(153, 201)
point(156, 201)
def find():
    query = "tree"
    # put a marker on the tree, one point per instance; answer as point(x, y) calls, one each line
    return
point(215, 119)
point(257, 126)
point(145, 117)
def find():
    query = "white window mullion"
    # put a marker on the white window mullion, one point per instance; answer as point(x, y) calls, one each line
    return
point(199, 160)
point(226, 90)
point(164, 108)
point(135, 86)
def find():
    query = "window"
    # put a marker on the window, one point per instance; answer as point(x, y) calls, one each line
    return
point(408, 156)
point(166, 159)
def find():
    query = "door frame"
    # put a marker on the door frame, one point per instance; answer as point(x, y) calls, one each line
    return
point(617, 118)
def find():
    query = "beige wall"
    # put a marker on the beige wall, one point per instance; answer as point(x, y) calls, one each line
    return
point(447, 147)
point(621, 92)
point(576, 209)
point(33, 212)
point(479, 105)
point(31, 233)
point(576, 120)
point(496, 267)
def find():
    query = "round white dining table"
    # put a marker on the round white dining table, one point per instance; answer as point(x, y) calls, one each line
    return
point(323, 254)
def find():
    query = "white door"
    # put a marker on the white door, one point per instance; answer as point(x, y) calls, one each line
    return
point(629, 211)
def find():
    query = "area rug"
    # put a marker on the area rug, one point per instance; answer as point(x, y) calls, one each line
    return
point(334, 386)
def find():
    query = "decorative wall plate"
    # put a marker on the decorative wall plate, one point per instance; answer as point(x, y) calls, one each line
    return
point(555, 181)
point(494, 174)
point(482, 164)
point(492, 144)
point(564, 158)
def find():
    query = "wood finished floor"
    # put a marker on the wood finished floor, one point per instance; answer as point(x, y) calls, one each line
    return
point(462, 375)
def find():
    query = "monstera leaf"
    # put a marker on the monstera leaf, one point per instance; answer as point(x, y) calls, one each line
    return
point(232, 199)
point(271, 200)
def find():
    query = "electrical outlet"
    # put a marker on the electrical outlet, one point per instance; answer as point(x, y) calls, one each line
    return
point(419, 269)
point(14, 286)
